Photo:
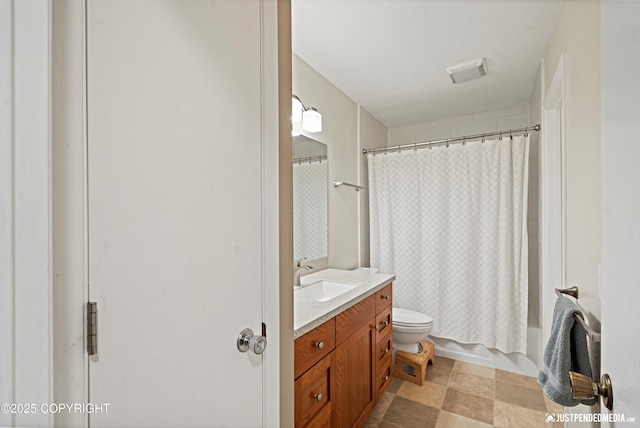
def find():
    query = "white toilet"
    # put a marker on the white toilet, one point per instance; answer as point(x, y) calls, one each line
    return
point(409, 328)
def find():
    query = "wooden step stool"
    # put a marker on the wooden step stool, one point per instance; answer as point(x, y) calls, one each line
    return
point(417, 364)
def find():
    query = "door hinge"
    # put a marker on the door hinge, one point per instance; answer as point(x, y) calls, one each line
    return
point(92, 328)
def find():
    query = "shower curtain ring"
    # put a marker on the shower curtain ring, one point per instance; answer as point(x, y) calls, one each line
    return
point(526, 134)
point(510, 135)
point(430, 146)
point(500, 136)
point(483, 138)
point(415, 147)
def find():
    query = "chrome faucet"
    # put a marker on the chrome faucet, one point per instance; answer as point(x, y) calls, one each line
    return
point(297, 269)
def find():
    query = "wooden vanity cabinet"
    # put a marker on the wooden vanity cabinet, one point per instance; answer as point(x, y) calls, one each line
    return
point(339, 384)
point(355, 363)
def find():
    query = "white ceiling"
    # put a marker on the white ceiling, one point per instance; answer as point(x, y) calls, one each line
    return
point(390, 55)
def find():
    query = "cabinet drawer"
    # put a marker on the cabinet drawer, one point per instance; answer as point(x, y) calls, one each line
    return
point(349, 321)
point(383, 323)
point(313, 346)
point(383, 375)
point(314, 393)
point(383, 298)
point(384, 346)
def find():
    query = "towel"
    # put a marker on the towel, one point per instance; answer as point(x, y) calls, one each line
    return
point(566, 351)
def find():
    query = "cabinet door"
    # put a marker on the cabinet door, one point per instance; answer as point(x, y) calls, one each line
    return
point(355, 371)
point(314, 395)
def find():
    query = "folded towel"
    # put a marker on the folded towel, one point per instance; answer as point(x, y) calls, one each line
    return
point(566, 351)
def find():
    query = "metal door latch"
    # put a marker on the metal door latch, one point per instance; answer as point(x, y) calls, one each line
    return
point(248, 341)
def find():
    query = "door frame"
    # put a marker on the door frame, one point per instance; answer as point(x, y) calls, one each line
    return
point(553, 191)
point(270, 210)
point(26, 375)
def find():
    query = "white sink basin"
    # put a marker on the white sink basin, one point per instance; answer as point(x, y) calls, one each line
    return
point(322, 291)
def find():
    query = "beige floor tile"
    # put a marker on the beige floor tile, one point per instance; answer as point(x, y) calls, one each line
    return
point(372, 423)
point(394, 385)
point(410, 414)
point(438, 374)
point(431, 394)
point(382, 406)
point(472, 384)
point(468, 405)
point(457, 394)
point(387, 424)
point(444, 362)
point(512, 416)
point(517, 379)
point(451, 420)
point(475, 369)
point(520, 396)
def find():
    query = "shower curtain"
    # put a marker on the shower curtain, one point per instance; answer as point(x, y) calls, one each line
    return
point(450, 222)
point(310, 210)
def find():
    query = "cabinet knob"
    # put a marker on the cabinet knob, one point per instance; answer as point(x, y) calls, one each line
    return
point(385, 377)
point(320, 345)
point(384, 297)
point(385, 350)
point(318, 397)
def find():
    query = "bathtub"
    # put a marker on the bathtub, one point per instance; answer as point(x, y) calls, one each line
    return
point(528, 364)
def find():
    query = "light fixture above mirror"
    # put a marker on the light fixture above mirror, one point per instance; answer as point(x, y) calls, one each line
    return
point(308, 119)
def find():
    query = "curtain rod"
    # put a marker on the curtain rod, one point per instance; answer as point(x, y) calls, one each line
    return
point(451, 140)
point(310, 159)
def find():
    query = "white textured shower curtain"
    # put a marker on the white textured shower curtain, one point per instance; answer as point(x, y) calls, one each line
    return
point(450, 222)
point(309, 210)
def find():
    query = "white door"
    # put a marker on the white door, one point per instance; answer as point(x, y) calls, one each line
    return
point(620, 287)
point(180, 211)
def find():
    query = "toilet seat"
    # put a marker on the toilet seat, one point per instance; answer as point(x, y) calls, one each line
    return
point(408, 318)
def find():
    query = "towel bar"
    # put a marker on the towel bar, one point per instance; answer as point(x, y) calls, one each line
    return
point(573, 292)
point(342, 183)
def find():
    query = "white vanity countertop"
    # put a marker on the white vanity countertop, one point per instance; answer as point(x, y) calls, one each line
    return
point(309, 314)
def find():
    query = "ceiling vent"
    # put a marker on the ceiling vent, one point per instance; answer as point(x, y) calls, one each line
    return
point(467, 70)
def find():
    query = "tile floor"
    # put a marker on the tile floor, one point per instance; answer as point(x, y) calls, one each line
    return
point(463, 395)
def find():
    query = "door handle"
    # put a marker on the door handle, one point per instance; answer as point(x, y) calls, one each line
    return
point(249, 341)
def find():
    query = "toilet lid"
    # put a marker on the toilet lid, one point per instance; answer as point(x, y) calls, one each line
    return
point(408, 317)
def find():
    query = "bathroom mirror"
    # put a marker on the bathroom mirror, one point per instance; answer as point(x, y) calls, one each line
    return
point(309, 198)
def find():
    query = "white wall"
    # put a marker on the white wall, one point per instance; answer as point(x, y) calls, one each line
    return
point(372, 134)
point(491, 121)
point(533, 223)
point(340, 134)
